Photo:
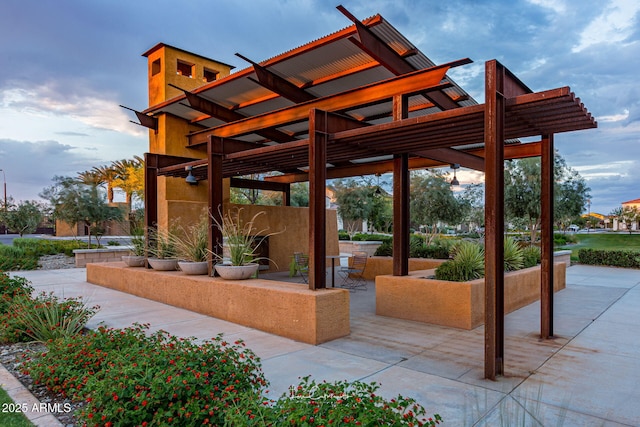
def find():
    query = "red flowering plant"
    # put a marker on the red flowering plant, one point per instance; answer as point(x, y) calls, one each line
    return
point(129, 378)
point(323, 404)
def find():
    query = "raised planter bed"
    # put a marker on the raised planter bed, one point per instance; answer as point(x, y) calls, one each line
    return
point(286, 309)
point(109, 254)
point(456, 304)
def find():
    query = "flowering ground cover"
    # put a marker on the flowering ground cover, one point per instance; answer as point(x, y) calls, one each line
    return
point(118, 377)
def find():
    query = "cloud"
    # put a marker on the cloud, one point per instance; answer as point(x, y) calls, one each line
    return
point(30, 165)
point(615, 24)
point(56, 98)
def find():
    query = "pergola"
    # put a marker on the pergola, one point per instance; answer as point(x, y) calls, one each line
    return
point(361, 101)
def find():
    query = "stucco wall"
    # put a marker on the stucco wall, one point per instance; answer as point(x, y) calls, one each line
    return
point(456, 304)
point(290, 223)
point(286, 309)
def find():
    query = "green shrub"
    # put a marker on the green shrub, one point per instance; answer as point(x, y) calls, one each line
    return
point(448, 271)
point(385, 249)
point(561, 239)
point(13, 258)
point(531, 256)
point(343, 235)
point(467, 263)
point(11, 288)
point(39, 247)
point(513, 256)
point(417, 249)
point(338, 403)
point(46, 317)
point(614, 258)
point(365, 237)
point(130, 378)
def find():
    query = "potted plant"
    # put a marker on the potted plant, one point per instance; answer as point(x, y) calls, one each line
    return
point(191, 244)
point(137, 249)
point(163, 251)
point(239, 251)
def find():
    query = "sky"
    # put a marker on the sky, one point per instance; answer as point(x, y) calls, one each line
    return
point(67, 65)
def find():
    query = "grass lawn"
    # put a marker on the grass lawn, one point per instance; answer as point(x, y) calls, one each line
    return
point(611, 241)
point(8, 418)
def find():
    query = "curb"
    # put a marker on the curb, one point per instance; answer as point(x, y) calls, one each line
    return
point(22, 396)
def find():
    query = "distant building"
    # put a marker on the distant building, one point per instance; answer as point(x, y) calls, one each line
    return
point(619, 226)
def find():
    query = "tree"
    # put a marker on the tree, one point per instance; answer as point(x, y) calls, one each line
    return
point(361, 200)
point(75, 202)
point(23, 218)
point(433, 201)
point(523, 190)
point(129, 177)
point(472, 200)
point(627, 215)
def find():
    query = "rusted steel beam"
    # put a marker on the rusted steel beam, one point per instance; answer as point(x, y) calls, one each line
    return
point(449, 155)
point(401, 190)
point(277, 84)
point(213, 109)
point(318, 122)
point(376, 48)
point(145, 120)
point(494, 221)
point(150, 197)
point(401, 215)
point(255, 184)
point(546, 235)
point(372, 93)
point(516, 151)
point(215, 154)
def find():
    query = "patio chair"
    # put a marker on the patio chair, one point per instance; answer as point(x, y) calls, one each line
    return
point(302, 265)
point(353, 275)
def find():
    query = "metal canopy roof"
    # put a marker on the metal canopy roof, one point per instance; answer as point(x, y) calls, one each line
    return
point(440, 115)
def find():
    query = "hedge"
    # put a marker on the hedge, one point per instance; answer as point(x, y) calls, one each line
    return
point(619, 258)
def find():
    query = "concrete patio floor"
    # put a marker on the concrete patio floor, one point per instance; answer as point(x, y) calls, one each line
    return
point(588, 375)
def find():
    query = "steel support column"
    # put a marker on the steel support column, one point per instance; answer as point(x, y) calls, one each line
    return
point(546, 244)
point(150, 196)
point(401, 215)
point(494, 220)
point(215, 155)
point(318, 136)
point(400, 198)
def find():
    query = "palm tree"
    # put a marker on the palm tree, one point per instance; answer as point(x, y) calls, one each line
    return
point(106, 175)
point(129, 177)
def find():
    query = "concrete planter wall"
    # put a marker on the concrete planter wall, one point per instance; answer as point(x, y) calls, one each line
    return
point(349, 246)
point(109, 254)
point(456, 304)
point(286, 309)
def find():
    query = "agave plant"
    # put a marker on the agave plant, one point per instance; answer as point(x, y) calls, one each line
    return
point(469, 260)
point(513, 255)
point(467, 263)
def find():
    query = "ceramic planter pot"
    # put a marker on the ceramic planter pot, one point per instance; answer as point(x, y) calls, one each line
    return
point(162, 264)
point(236, 272)
point(133, 260)
point(194, 268)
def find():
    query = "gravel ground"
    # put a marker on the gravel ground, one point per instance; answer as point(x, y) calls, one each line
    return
point(11, 356)
point(56, 262)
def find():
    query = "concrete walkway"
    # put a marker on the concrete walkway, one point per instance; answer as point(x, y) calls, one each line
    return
point(589, 375)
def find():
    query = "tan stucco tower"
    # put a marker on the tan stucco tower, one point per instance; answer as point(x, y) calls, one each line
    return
point(171, 71)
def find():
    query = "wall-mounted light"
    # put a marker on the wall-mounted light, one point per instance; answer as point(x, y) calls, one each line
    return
point(191, 180)
point(455, 181)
